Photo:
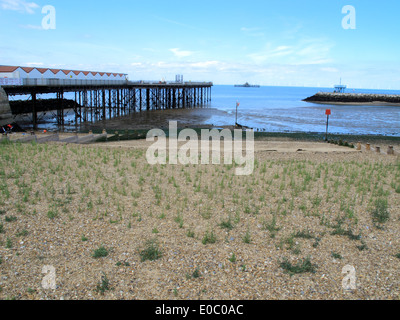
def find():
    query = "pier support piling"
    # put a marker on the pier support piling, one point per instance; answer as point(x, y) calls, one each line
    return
point(96, 100)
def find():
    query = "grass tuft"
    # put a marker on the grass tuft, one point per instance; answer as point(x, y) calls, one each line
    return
point(151, 251)
point(101, 252)
point(304, 266)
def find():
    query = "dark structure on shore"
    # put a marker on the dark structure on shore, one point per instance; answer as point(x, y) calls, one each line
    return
point(100, 99)
point(5, 110)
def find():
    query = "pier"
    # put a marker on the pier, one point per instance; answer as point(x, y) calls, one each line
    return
point(96, 100)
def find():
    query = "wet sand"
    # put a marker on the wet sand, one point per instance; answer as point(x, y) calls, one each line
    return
point(193, 118)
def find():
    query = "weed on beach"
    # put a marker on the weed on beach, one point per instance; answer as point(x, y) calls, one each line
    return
point(151, 251)
point(101, 252)
point(302, 266)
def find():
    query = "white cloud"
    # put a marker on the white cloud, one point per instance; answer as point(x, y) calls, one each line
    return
point(252, 32)
point(269, 54)
point(205, 64)
point(330, 69)
point(180, 24)
point(181, 53)
point(19, 5)
point(303, 52)
point(32, 27)
point(34, 64)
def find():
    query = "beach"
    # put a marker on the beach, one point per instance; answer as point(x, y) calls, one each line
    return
point(114, 227)
point(158, 119)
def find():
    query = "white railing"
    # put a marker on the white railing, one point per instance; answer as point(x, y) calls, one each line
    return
point(10, 82)
point(157, 82)
point(76, 82)
point(59, 82)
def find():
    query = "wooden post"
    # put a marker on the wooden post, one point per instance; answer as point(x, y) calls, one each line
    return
point(140, 100)
point(368, 147)
point(34, 111)
point(174, 98)
point(104, 104)
point(110, 104)
point(148, 99)
point(183, 98)
point(390, 151)
point(118, 103)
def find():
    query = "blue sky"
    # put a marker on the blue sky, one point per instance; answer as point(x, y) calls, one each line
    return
point(269, 42)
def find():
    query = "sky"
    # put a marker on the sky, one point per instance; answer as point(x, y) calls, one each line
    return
point(267, 42)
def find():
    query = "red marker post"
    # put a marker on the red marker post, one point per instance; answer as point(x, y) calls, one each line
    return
point(328, 113)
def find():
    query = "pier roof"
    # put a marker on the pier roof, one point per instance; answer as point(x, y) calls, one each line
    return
point(9, 69)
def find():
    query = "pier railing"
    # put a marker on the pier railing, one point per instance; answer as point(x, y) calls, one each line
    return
point(76, 82)
point(59, 82)
point(155, 82)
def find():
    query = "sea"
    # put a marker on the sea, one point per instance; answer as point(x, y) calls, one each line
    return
point(282, 109)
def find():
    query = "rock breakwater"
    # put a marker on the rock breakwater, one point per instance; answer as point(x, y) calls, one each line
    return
point(349, 98)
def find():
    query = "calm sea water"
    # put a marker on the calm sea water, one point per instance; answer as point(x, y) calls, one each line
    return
point(281, 109)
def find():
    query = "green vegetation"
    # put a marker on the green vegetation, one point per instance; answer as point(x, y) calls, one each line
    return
point(336, 256)
point(247, 237)
point(103, 285)
point(151, 251)
point(232, 258)
point(302, 266)
point(380, 213)
point(227, 224)
point(209, 237)
point(101, 252)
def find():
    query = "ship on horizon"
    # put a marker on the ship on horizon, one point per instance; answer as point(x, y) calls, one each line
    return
point(246, 85)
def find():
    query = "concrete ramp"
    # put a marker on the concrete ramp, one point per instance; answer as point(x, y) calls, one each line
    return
point(73, 139)
point(56, 137)
point(87, 139)
point(26, 139)
point(48, 138)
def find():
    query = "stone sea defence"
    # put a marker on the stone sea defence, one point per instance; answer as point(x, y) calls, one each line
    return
point(5, 111)
point(351, 98)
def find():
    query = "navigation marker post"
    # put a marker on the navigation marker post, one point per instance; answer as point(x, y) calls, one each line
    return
point(237, 106)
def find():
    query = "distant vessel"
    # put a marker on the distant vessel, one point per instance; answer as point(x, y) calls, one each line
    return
point(246, 85)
